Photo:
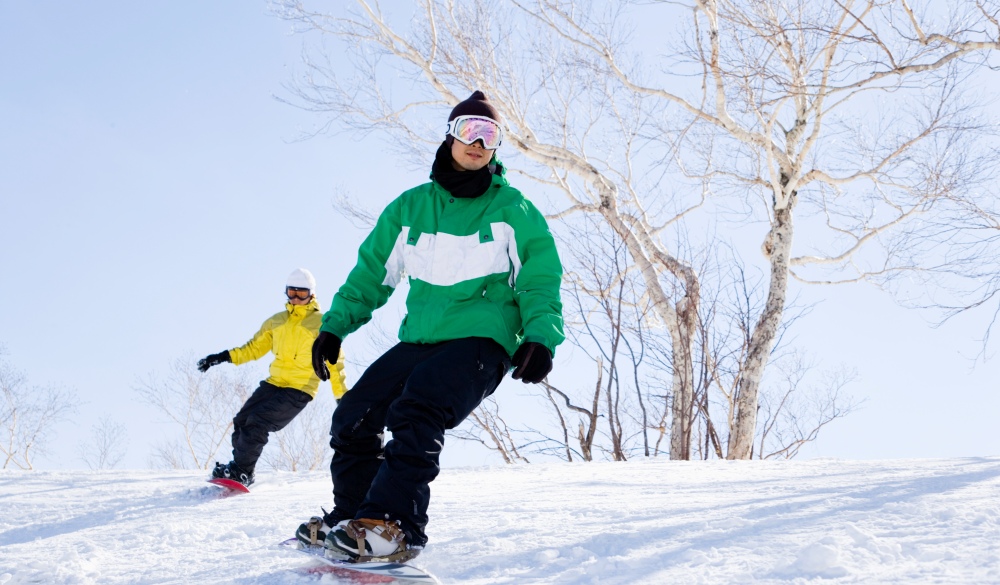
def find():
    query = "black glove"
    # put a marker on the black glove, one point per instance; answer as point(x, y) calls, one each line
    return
point(532, 362)
point(213, 360)
point(326, 348)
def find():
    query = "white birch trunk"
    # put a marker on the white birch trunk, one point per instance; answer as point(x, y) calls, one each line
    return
point(682, 409)
point(777, 247)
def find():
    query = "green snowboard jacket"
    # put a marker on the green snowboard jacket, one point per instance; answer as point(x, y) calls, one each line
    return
point(477, 267)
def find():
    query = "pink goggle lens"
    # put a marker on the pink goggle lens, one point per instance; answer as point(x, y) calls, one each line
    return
point(468, 129)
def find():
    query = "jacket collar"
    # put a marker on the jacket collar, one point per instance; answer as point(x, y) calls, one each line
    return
point(302, 310)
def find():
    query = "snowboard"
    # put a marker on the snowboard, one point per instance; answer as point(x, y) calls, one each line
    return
point(363, 573)
point(229, 484)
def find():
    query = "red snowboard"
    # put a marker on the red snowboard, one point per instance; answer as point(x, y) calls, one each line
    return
point(229, 484)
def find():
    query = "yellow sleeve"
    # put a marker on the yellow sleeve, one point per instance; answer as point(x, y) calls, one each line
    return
point(254, 349)
point(338, 381)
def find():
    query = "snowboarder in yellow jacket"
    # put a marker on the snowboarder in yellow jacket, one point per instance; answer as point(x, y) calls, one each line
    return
point(292, 383)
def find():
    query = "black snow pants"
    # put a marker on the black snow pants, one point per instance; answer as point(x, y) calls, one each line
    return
point(269, 409)
point(417, 391)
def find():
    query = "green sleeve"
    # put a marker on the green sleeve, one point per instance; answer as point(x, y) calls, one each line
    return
point(539, 280)
point(372, 280)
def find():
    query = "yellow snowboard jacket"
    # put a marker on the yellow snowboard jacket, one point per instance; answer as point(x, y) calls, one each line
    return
point(290, 335)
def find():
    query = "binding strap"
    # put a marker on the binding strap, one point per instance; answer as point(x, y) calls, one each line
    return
point(357, 530)
point(390, 531)
point(315, 523)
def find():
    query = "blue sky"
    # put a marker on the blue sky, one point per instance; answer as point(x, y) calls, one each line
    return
point(154, 195)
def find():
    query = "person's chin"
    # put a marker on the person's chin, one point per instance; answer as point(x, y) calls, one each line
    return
point(473, 165)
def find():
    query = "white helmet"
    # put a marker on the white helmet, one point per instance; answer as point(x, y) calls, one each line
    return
point(302, 278)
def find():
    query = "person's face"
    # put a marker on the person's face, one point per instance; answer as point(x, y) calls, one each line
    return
point(298, 296)
point(469, 157)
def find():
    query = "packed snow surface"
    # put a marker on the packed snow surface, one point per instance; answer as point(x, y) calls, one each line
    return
point(651, 521)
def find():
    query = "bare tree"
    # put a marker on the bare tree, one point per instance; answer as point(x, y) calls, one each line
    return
point(582, 137)
point(106, 446)
point(606, 317)
point(587, 418)
point(200, 407)
point(792, 414)
point(846, 119)
point(29, 415)
point(795, 405)
point(488, 428)
point(783, 87)
point(797, 398)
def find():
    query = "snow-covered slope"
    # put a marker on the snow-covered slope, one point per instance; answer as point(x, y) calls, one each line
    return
point(829, 521)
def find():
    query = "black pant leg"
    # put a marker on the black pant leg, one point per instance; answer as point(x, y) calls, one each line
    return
point(438, 395)
point(359, 423)
point(268, 410)
point(252, 403)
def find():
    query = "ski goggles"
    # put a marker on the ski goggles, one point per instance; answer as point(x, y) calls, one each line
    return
point(469, 129)
point(297, 293)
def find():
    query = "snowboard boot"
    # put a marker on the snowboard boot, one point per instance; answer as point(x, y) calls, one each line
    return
point(360, 541)
point(232, 471)
point(315, 531)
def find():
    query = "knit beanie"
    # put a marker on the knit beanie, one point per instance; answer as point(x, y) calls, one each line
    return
point(302, 278)
point(476, 105)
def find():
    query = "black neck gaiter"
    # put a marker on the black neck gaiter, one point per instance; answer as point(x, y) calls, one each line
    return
point(466, 184)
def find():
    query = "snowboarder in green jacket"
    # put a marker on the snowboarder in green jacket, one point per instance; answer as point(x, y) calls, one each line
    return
point(484, 278)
